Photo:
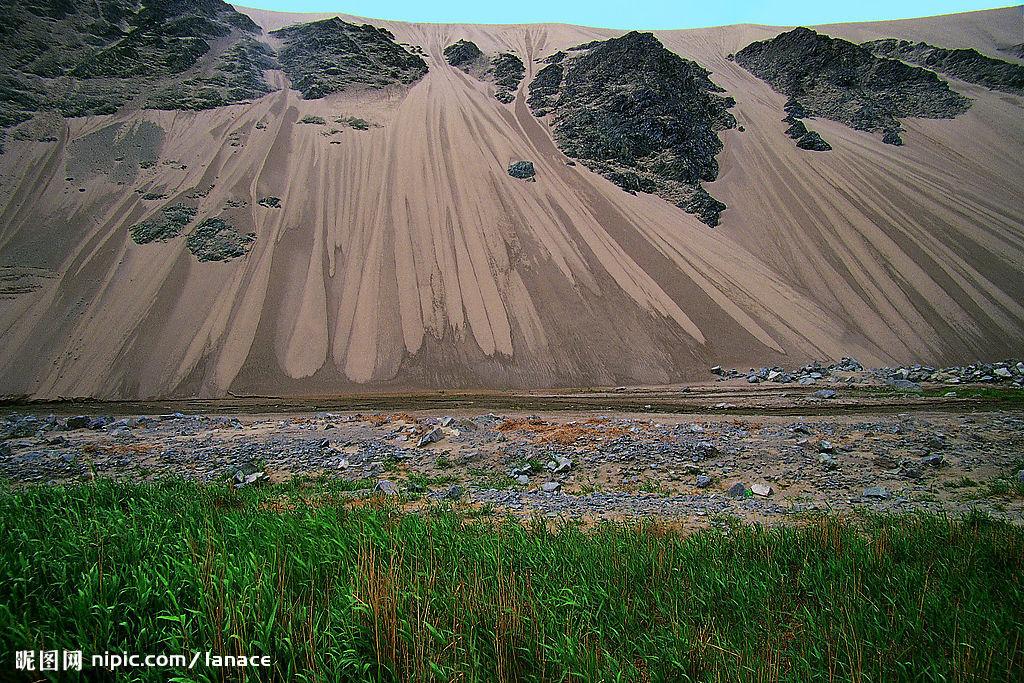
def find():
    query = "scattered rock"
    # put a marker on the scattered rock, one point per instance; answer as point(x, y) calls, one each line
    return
point(561, 464)
point(78, 422)
point(433, 436)
point(100, 421)
point(386, 487)
point(737, 490)
point(521, 169)
point(453, 493)
point(825, 393)
point(762, 490)
point(703, 481)
point(878, 492)
point(551, 487)
point(932, 460)
point(245, 478)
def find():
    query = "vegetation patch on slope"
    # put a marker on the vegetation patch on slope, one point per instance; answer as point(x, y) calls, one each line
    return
point(331, 56)
point(301, 574)
point(640, 115)
point(845, 82)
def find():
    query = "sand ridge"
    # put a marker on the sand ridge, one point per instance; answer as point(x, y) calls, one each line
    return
point(404, 256)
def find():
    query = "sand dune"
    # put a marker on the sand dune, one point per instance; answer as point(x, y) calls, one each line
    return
point(404, 256)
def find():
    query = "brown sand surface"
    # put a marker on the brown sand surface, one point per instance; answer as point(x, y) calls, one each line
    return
point(404, 256)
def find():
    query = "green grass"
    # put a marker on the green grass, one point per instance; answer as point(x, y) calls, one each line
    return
point(996, 393)
point(350, 593)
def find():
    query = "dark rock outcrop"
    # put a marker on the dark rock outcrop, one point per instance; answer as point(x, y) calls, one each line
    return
point(640, 115)
point(891, 136)
point(216, 240)
point(236, 76)
point(330, 56)
point(81, 58)
point(521, 169)
point(812, 141)
point(166, 225)
point(806, 139)
point(544, 89)
point(797, 130)
point(462, 53)
point(1015, 50)
point(507, 70)
point(845, 82)
point(965, 64)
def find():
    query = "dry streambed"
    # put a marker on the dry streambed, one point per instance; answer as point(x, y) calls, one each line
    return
point(586, 465)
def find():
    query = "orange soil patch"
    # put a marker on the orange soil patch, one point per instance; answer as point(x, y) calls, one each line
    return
point(566, 434)
point(379, 419)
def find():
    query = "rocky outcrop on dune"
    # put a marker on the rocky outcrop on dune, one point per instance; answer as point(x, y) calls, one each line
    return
point(640, 115)
point(965, 64)
point(805, 139)
point(522, 169)
point(845, 82)
point(216, 240)
point(94, 58)
point(166, 225)
point(236, 76)
point(462, 53)
point(1015, 50)
point(813, 142)
point(507, 70)
point(331, 56)
point(504, 69)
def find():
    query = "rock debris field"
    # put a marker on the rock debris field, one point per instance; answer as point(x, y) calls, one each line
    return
point(694, 468)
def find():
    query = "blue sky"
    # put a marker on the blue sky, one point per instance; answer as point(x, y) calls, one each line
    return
point(626, 14)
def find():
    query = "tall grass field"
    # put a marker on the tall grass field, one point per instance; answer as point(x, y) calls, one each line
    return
point(330, 589)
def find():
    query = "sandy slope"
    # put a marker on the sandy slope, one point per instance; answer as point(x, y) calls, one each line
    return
point(406, 257)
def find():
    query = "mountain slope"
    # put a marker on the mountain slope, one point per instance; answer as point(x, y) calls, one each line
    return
point(400, 254)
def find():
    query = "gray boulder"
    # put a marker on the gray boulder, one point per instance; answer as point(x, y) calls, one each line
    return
point(433, 436)
point(386, 487)
point(737, 490)
point(877, 492)
point(77, 422)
